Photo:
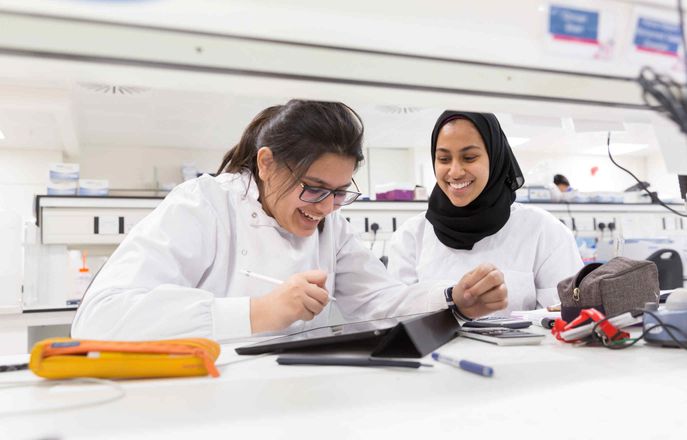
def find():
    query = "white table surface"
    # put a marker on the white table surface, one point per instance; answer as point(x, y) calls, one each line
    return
point(553, 390)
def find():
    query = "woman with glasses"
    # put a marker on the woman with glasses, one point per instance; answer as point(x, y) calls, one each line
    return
point(271, 213)
point(471, 221)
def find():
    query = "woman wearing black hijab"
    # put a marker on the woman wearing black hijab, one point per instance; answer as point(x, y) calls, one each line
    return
point(472, 225)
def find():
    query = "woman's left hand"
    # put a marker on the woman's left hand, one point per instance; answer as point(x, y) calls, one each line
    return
point(481, 292)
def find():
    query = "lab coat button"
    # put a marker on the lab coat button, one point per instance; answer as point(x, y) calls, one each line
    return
point(244, 252)
point(254, 215)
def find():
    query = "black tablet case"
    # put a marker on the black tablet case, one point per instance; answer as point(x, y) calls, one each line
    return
point(414, 337)
point(419, 336)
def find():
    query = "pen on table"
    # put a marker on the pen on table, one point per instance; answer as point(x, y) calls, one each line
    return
point(348, 361)
point(472, 367)
point(258, 276)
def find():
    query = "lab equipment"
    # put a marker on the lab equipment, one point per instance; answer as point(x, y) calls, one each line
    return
point(64, 172)
point(669, 265)
point(83, 278)
point(538, 194)
point(64, 179)
point(472, 367)
point(673, 314)
point(93, 187)
point(395, 191)
point(67, 188)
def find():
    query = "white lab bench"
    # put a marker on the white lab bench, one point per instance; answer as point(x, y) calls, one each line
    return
point(553, 390)
point(106, 220)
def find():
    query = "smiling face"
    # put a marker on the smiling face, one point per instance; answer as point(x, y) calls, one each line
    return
point(331, 171)
point(461, 163)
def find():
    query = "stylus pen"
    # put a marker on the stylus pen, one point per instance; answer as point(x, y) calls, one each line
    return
point(275, 281)
point(348, 361)
point(472, 367)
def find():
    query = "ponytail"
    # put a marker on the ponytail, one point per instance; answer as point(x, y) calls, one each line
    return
point(243, 155)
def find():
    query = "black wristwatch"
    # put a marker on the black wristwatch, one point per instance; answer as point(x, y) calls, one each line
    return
point(448, 294)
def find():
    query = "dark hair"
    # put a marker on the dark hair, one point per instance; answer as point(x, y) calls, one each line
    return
point(298, 133)
point(560, 179)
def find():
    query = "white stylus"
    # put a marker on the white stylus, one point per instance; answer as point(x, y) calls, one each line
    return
point(258, 276)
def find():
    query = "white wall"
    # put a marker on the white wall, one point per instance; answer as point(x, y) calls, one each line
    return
point(24, 173)
point(660, 179)
point(129, 167)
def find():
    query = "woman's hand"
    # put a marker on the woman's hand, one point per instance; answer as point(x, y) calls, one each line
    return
point(302, 296)
point(480, 292)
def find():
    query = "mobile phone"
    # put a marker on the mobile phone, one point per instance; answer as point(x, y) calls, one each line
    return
point(502, 336)
point(498, 321)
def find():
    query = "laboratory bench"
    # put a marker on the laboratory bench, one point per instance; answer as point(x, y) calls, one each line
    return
point(552, 390)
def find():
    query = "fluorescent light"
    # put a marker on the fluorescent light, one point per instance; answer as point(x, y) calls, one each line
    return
point(517, 141)
point(2, 135)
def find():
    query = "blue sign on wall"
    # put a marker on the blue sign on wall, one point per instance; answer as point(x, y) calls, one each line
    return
point(574, 24)
point(657, 36)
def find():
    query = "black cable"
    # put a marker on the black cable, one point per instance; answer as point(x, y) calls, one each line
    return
point(572, 220)
point(374, 227)
point(641, 184)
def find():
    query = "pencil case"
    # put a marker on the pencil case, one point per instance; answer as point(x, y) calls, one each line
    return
point(61, 358)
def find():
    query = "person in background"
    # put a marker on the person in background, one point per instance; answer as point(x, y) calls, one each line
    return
point(562, 183)
point(272, 210)
point(471, 219)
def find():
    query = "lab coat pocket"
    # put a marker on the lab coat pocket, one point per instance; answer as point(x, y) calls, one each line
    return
point(522, 294)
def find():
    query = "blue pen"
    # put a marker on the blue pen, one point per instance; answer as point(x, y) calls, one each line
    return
point(472, 367)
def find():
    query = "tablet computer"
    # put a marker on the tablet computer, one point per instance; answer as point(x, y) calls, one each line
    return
point(362, 332)
point(404, 336)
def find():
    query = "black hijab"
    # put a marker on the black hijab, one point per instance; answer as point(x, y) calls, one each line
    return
point(461, 228)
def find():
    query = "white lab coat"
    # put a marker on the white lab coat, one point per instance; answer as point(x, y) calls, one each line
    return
point(176, 274)
point(533, 250)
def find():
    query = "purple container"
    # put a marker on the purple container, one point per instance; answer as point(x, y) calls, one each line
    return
point(397, 194)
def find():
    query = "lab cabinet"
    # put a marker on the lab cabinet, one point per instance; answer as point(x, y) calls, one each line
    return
point(89, 220)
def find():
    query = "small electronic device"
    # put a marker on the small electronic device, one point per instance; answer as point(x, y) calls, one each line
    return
point(673, 315)
point(502, 336)
point(498, 322)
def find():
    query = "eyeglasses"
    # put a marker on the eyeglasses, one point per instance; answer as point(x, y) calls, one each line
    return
point(315, 194)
